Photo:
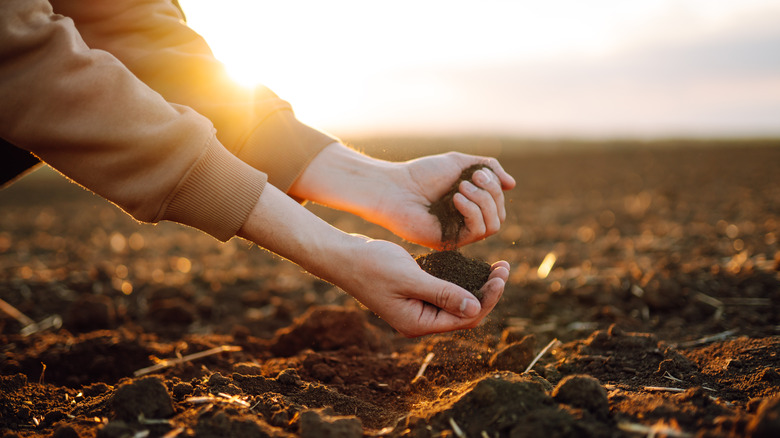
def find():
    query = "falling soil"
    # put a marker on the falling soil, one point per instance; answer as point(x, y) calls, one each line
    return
point(661, 314)
point(450, 219)
point(452, 266)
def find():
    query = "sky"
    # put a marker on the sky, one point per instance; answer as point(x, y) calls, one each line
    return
point(552, 69)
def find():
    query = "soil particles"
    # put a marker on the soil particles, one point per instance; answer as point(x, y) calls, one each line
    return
point(643, 300)
point(450, 219)
point(452, 266)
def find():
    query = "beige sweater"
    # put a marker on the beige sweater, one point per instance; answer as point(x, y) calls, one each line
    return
point(123, 98)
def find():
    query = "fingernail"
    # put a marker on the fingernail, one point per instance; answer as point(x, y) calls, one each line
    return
point(481, 177)
point(470, 307)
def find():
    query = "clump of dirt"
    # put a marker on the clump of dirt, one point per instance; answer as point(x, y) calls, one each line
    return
point(450, 219)
point(325, 328)
point(323, 423)
point(452, 266)
point(583, 391)
point(514, 356)
point(506, 404)
point(145, 397)
point(228, 422)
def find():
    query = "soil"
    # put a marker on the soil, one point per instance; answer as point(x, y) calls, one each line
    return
point(660, 315)
point(450, 265)
point(468, 273)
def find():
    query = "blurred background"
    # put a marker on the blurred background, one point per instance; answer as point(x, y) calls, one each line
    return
point(598, 69)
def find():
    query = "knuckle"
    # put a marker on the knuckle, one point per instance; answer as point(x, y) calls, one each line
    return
point(479, 228)
point(482, 197)
point(442, 297)
point(473, 210)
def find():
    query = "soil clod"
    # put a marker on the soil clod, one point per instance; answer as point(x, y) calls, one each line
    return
point(583, 392)
point(146, 397)
point(516, 356)
point(323, 423)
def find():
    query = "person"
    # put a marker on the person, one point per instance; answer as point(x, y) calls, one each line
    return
point(123, 98)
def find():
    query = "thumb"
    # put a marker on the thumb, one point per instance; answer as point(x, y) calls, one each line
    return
point(448, 297)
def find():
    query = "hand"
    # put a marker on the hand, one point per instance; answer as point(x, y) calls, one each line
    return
point(397, 195)
point(380, 274)
point(387, 280)
point(404, 206)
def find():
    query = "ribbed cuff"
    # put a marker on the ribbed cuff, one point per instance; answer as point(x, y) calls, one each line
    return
point(217, 194)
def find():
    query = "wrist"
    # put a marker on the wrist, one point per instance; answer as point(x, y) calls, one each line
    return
point(284, 227)
point(345, 179)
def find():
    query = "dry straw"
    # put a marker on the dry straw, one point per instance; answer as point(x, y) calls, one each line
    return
point(167, 363)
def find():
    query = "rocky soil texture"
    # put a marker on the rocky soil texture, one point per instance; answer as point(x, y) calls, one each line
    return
point(644, 300)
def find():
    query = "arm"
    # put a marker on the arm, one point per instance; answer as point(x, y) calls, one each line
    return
point(397, 195)
point(85, 114)
point(152, 40)
point(379, 274)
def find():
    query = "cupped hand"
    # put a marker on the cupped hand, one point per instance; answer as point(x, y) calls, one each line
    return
point(414, 185)
point(387, 280)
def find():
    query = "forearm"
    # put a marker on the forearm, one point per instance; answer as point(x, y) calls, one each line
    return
point(345, 179)
point(284, 227)
point(151, 39)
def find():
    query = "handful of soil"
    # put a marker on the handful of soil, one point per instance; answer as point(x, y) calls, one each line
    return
point(452, 266)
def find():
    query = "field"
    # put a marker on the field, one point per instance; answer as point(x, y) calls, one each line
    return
point(643, 300)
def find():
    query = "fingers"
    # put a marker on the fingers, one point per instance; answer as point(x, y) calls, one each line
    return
point(493, 289)
point(507, 181)
point(442, 308)
point(478, 210)
point(433, 320)
point(488, 181)
point(499, 270)
point(449, 297)
point(481, 203)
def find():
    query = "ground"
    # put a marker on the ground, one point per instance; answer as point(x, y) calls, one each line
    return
point(644, 285)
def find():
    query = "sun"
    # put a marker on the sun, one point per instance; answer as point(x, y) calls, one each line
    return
point(276, 46)
point(363, 65)
point(239, 40)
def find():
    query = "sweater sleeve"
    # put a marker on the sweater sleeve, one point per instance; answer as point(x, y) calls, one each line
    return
point(83, 113)
point(152, 40)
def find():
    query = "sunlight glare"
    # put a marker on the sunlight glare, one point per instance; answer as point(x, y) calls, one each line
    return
point(327, 58)
point(355, 65)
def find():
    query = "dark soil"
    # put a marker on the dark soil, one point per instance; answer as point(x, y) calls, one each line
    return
point(661, 314)
point(452, 266)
